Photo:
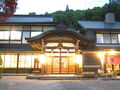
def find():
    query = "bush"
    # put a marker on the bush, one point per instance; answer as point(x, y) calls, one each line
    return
point(88, 73)
point(106, 74)
point(1, 72)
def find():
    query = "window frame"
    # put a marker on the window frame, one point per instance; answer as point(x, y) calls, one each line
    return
point(111, 42)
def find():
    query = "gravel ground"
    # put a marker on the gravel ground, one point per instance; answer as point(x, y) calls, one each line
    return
point(20, 83)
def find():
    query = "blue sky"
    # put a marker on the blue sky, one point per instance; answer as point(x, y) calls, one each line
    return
point(42, 6)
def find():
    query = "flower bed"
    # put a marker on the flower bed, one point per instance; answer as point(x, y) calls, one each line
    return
point(88, 74)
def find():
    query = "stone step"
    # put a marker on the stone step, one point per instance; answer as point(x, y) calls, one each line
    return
point(54, 77)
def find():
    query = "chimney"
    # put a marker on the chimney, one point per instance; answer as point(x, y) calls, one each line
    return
point(110, 18)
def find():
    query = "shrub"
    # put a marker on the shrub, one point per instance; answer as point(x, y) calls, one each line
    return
point(1, 72)
point(88, 73)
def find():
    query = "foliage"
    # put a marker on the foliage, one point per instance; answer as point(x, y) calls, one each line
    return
point(32, 13)
point(105, 74)
point(7, 9)
point(89, 73)
point(70, 17)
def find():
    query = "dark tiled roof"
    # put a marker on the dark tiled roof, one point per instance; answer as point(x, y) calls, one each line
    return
point(99, 25)
point(16, 47)
point(60, 32)
point(29, 18)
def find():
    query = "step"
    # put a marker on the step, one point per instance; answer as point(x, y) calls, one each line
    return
point(54, 77)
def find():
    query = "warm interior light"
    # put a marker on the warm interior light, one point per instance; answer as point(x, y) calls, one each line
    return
point(42, 58)
point(112, 52)
point(78, 59)
point(101, 56)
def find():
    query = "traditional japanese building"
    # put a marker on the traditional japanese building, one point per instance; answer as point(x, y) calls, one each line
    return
point(34, 42)
point(106, 35)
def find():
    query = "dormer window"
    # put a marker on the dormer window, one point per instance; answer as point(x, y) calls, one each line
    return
point(108, 38)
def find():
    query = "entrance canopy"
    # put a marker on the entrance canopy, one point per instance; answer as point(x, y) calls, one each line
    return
point(51, 39)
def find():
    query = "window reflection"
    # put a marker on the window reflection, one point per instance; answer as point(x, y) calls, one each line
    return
point(4, 35)
point(99, 38)
point(35, 33)
point(25, 35)
point(114, 38)
point(15, 35)
point(108, 38)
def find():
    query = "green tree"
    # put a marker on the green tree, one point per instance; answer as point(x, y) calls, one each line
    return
point(32, 13)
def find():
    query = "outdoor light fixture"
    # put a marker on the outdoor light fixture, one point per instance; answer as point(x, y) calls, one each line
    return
point(42, 58)
point(101, 56)
point(112, 52)
point(78, 59)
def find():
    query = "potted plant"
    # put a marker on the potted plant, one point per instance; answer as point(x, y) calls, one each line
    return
point(89, 74)
point(114, 74)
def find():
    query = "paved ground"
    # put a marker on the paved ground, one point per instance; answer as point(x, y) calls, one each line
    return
point(20, 83)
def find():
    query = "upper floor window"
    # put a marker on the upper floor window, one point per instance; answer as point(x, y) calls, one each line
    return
point(25, 35)
point(5, 27)
point(108, 38)
point(26, 27)
point(16, 28)
point(35, 33)
point(15, 35)
point(36, 28)
point(48, 28)
point(4, 35)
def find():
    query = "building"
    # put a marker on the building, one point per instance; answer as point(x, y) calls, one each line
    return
point(114, 0)
point(107, 41)
point(29, 43)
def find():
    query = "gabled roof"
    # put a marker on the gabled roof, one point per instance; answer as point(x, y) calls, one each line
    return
point(99, 25)
point(36, 42)
point(29, 19)
point(72, 33)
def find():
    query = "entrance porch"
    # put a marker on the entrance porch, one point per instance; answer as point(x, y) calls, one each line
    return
point(61, 51)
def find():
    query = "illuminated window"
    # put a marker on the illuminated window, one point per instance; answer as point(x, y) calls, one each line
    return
point(1, 60)
point(25, 61)
point(35, 33)
point(4, 35)
point(9, 61)
point(15, 35)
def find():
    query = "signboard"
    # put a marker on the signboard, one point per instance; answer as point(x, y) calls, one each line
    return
point(112, 59)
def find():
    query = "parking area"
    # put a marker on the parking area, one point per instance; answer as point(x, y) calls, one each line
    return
point(21, 83)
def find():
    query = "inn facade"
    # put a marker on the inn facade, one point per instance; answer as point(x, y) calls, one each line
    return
point(31, 43)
